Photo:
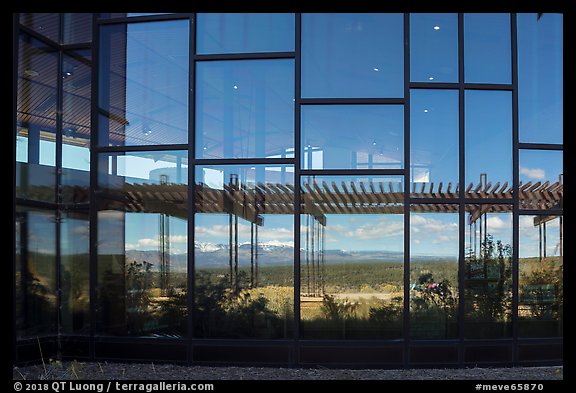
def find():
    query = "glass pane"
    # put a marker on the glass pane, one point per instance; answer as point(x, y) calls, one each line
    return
point(76, 127)
point(352, 136)
point(488, 128)
point(245, 109)
point(434, 271)
point(352, 55)
point(107, 15)
point(142, 244)
point(434, 47)
point(47, 24)
point(540, 78)
point(488, 274)
point(35, 272)
point(541, 279)
point(77, 28)
point(244, 33)
point(36, 120)
point(541, 179)
point(244, 252)
point(143, 84)
point(434, 143)
point(487, 48)
point(75, 269)
point(352, 258)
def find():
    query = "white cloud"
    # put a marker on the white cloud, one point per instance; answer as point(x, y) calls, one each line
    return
point(153, 244)
point(379, 230)
point(264, 233)
point(496, 223)
point(533, 173)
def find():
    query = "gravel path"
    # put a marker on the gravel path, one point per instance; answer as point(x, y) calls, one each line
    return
point(113, 371)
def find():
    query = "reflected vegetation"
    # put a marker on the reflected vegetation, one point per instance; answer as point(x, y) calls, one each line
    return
point(351, 258)
point(74, 272)
point(142, 244)
point(488, 272)
point(434, 272)
point(35, 272)
point(541, 285)
point(244, 252)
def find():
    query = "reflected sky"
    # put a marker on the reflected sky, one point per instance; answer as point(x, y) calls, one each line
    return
point(244, 33)
point(244, 108)
point(361, 232)
point(540, 166)
point(530, 238)
point(488, 126)
point(352, 55)
point(487, 48)
point(540, 81)
point(434, 136)
point(434, 234)
point(434, 47)
point(352, 137)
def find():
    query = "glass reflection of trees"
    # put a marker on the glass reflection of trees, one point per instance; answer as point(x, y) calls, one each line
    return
point(541, 273)
point(434, 271)
point(488, 271)
point(142, 244)
point(244, 252)
point(351, 264)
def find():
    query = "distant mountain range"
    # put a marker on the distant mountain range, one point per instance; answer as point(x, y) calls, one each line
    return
point(274, 253)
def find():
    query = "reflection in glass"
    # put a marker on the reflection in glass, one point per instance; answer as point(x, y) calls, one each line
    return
point(47, 24)
point(36, 120)
point(74, 272)
point(434, 271)
point(352, 136)
point(352, 55)
point(35, 272)
point(245, 109)
point(540, 77)
point(541, 179)
point(487, 48)
point(541, 287)
point(106, 15)
point(244, 251)
point(76, 127)
point(488, 150)
point(434, 47)
point(142, 244)
point(488, 272)
point(244, 33)
point(352, 256)
point(143, 84)
point(77, 28)
point(434, 143)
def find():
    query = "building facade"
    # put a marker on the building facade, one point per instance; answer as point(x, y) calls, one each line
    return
point(378, 190)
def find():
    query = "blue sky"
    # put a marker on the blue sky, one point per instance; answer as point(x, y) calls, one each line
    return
point(361, 136)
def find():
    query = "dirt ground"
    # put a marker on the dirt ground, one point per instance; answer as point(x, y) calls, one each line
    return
point(136, 371)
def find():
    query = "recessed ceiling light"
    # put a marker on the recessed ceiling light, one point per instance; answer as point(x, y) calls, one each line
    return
point(205, 148)
point(436, 27)
point(376, 69)
point(235, 87)
point(431, 78)
point(374, 143)
point(425, 110)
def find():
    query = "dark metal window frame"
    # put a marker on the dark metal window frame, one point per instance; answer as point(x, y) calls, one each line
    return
point(296, 343)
